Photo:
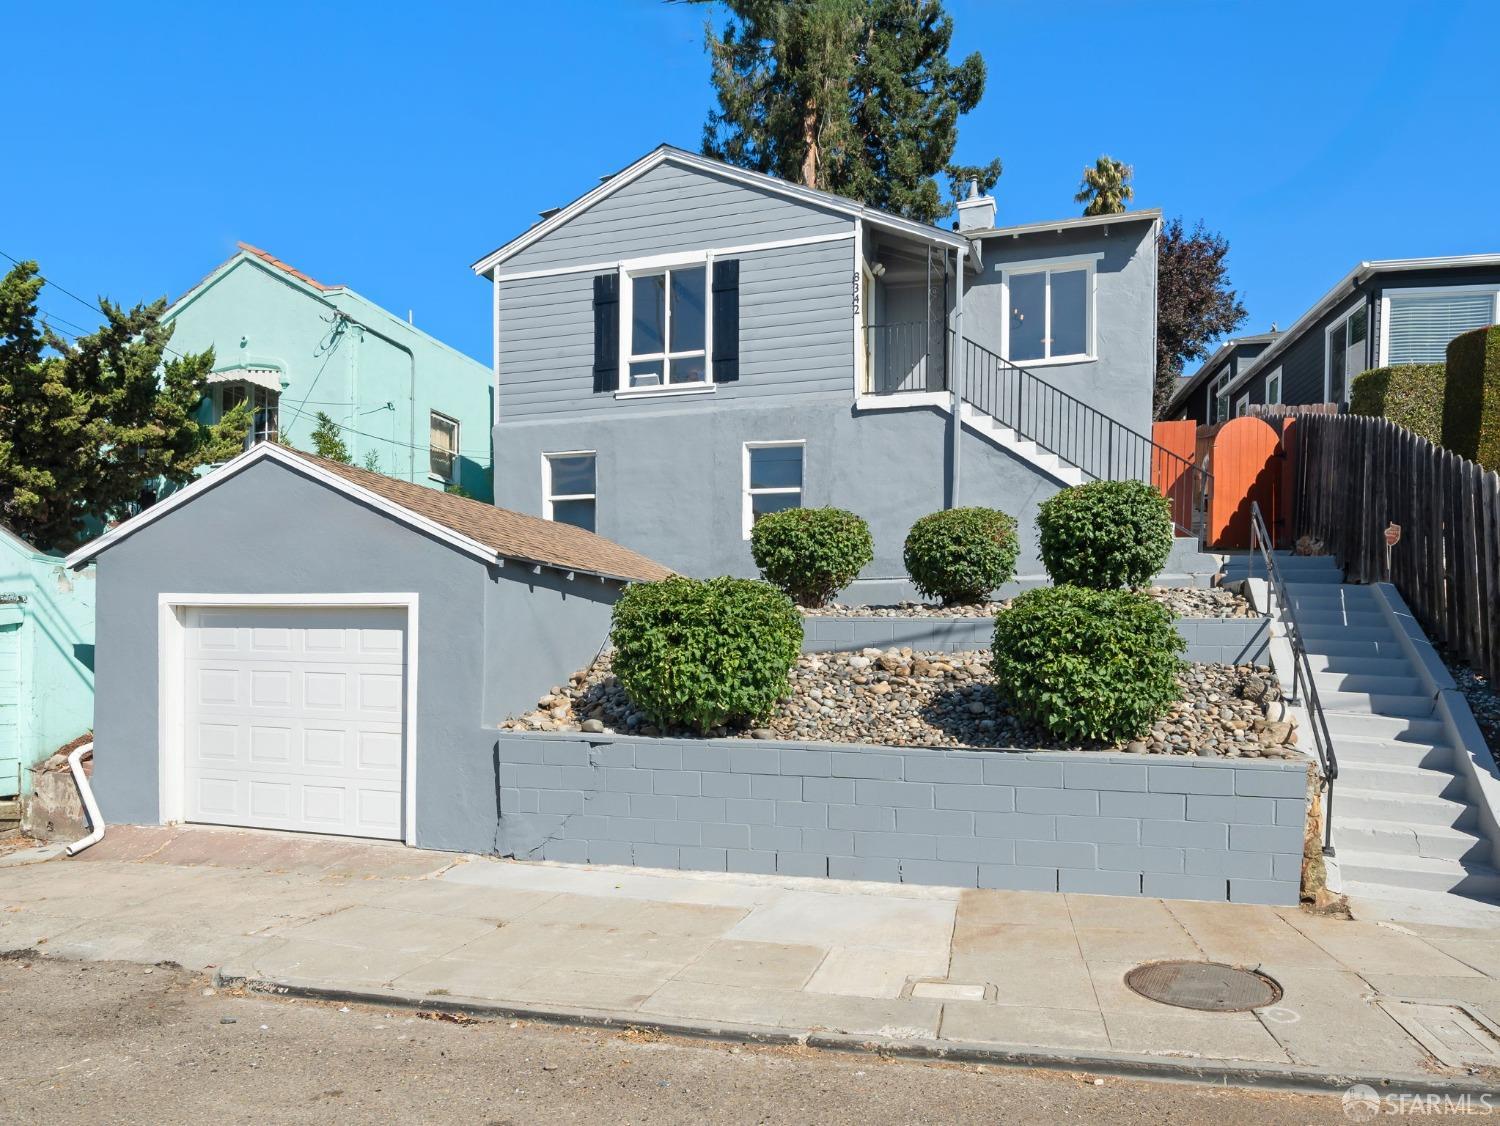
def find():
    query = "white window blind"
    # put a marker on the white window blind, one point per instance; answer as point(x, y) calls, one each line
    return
point(1421, 325)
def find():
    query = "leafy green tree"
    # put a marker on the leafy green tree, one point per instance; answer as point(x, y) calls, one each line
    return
point(1194, 303)
point(328, 441)
point(1106, 187)
point(88, 427)
point(372, 461)
point(856, 97)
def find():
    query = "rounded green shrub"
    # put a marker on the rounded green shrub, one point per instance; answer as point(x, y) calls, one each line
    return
point(1087, 664)
point(1105, 534)
point(811, 553)
point(961, 554)
point(701, 653)
point(1410, 395)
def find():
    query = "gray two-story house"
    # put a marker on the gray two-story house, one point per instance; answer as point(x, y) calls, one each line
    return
point(690, 345)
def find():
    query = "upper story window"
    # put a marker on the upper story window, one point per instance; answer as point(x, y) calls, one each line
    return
point(443, 451)
point(668, 327)
point(1050, 312)
point(264, 403)
point(1419, 324)
point(1273, 387)
point(1346, 353)
point(1218, 399)
point(773, 479)
point(568, 486)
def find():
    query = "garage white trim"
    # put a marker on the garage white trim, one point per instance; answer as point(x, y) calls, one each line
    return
point(173, 638)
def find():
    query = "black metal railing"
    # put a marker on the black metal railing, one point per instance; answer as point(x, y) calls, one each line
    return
point(906, 356)
point(1102, 447)
point(1304, 690)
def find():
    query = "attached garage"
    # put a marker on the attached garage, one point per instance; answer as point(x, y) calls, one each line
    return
point(296, 644)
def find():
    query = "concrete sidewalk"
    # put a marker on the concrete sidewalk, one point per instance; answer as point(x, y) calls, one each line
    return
point(1033, 972)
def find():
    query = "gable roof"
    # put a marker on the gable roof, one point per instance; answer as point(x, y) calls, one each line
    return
point(268, 257)
point(484, 531)
point(664, 153)
point(1190, 383)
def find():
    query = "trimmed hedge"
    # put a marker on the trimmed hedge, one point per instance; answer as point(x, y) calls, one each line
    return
point(811, 553)
point(1471, 410)
point(960, 555)
point(1087, 664)
point(1105, 534)
point(1410, 395)
point(701, 653)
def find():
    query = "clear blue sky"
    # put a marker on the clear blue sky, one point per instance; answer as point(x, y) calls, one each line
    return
point(387, 146)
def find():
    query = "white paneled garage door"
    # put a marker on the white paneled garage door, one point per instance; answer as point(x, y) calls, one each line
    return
point(294, 718)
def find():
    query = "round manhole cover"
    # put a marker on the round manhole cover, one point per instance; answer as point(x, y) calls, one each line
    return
point(1209, 986)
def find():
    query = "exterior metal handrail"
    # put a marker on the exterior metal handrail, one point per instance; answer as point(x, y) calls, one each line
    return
point(1102, 447)
point(1302, 678)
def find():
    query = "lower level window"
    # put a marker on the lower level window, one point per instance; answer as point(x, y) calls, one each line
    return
point(263, 403)
point(443, 451)
point(773, 479)
point(568, 488)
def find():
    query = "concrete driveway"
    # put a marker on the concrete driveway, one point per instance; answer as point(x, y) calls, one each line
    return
point(1032, 972)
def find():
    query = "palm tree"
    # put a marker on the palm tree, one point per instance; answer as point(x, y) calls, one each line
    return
point(1106, 187)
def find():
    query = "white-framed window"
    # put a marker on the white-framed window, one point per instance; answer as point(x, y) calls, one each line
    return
point(442, 455)
point(569, 488)
point(1049, 314)
point(1273, 387)
point(665, 325)
point(264, 402)
point(1242, 405)
point(1218, 399)
point(1345, 355)
point(772, 479)
point(1416, 325)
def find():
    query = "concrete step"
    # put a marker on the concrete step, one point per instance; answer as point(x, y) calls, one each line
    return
point(1329, 680)
point(1317, 617)
point(1315, 632)
point(1354, 837)
point(1400, 809)
point(1421, 873)
point(1402, 729)
point(1374, 703)
point(1354, 664)
point(1307, 579)
point(1353, 749)
point(1358, 648)
point(1397, 779)
point(1378, 901)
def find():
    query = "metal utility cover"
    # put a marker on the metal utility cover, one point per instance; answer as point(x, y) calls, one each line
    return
point(1211, 987)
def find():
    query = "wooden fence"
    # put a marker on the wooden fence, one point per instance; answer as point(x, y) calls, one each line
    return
point(1357, 475)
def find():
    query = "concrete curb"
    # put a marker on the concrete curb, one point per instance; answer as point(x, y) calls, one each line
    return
point(32, 856)
point(1270, 1076)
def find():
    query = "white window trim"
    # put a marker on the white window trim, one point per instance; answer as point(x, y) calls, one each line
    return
point(172, 702)
point(1275, 375)
point(1382, 359)
point(547, 496)
point(1216, 390)
point(747, 514)
point(660, 264)
point(1342, 325)
point(1086, 262)
point(1242, 405)
point(457, 431)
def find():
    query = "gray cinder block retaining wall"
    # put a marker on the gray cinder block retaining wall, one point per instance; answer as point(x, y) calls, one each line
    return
point(1229, 641)
point(1114, 824)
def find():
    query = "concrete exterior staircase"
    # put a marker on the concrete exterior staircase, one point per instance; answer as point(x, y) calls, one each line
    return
point(1007, 439)
point(1403, 825)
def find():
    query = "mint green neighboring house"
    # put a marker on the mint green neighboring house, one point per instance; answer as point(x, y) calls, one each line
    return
point(46, 658)
point(408, 405)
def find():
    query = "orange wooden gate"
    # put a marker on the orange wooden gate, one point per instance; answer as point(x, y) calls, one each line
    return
point(1246, 463)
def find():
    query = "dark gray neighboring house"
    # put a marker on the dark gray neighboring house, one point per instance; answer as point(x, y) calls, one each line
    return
point(690, 345)
point(1397, 311)
point(293, 643)
point(1204, 395)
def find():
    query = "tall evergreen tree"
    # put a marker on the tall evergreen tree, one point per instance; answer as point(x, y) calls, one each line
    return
point(328, 441)
point(1194, 303)
point(87, 427)
point(856, 97)
point(1106, 187)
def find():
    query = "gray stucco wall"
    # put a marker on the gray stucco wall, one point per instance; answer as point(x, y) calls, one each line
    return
point(1119, 381)
point(489, 642)
point(1046, 821)
point(670, 475)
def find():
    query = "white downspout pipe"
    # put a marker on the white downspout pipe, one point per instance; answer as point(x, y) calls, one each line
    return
point(96, 819)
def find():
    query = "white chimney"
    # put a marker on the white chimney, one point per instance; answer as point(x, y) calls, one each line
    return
point(977, 213)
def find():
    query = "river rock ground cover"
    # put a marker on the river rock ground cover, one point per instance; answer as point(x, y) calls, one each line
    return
point(1184, 602)
point(900, 697)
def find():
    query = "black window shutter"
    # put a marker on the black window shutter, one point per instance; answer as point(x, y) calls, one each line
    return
point(606, 332)
point(726, 357)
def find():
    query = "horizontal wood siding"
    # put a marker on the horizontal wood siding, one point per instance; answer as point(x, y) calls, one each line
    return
point(671, 209)
point(1302, 369)
point(796, 334)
